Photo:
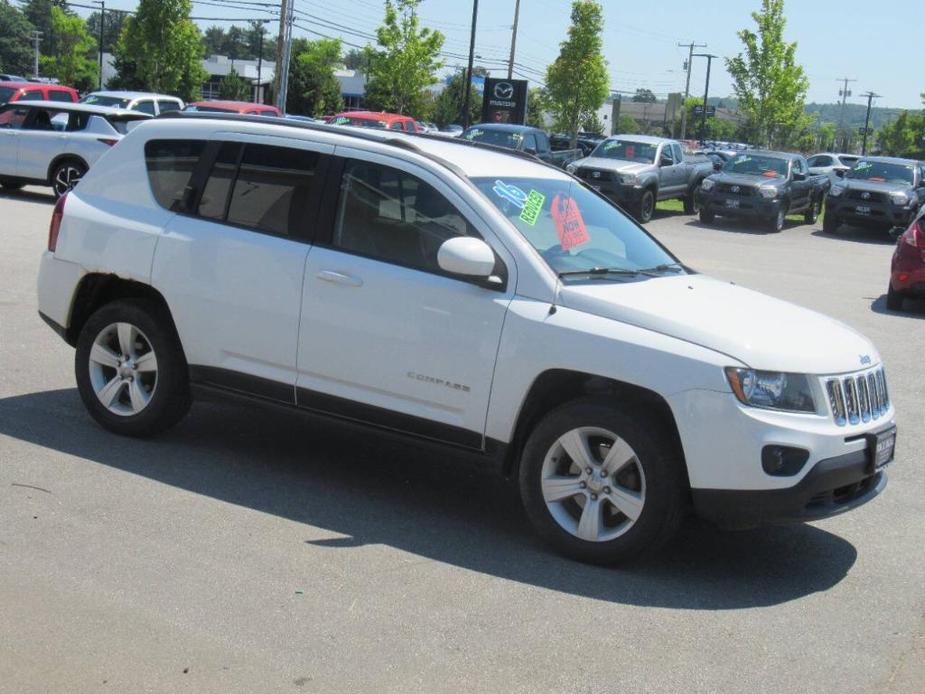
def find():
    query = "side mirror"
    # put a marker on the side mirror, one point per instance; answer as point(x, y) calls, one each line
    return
point(797, 176)
point(717, 166)
point(466, 256)
point(530, 150)
point(665, 161)
point(840, 173)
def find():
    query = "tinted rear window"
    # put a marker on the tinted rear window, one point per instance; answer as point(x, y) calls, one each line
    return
point(6, 93)
point(59, 95)
point(170, 166)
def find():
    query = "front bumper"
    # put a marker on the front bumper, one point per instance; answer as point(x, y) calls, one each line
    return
point(832, 486)
point(750, 207)
point(882, 215)
point(623, 195)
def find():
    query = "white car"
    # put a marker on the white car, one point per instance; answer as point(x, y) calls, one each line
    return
point(52, 143)
point(145, 102)
point(483, 301)
point(835, 166)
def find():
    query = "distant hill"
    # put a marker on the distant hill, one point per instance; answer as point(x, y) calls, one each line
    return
point(854, 113)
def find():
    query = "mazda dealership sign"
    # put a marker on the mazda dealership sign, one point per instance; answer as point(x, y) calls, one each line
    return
point(504, 101)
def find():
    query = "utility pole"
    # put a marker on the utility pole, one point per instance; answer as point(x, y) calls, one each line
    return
point(102, 4)
point(282, 65)
point(36, 40)
point(706, 93)
point(687, 85)
point(510, 64)
point(468, 93)
point(870, 97)
point(257, 96)
point(844, 93)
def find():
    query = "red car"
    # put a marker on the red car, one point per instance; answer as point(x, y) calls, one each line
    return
point(234, 107)
point(377, 119)
point(36, 91)
point(907, 271)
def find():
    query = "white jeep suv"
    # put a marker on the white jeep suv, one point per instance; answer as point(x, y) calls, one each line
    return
point(457, 293)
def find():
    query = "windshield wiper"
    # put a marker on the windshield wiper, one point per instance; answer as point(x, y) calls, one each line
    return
point(664, 267)
point(600, 271)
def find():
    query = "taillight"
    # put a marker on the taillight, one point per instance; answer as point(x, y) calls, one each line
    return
point(55, 225)
point(915, 235)
point(107, 141)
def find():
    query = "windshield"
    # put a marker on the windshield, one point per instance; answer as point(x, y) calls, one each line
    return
point(361, 122)
point(882, 172)
point(500, 138)
point(627, 150)
point(99, 100)
point(756, 165)
point(574, 229)
point(5, 94)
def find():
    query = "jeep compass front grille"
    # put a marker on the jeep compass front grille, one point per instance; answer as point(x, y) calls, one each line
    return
point(858, 397)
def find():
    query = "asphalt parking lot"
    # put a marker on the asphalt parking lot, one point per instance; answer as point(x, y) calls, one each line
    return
point(258, 551)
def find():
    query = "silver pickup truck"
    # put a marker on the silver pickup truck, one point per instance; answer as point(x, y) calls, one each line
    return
point(636, 171)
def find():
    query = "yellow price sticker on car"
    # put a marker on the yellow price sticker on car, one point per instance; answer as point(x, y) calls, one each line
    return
point(532, 207)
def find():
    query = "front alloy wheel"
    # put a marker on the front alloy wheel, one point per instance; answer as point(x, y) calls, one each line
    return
point(593, 484)
point(646, 206)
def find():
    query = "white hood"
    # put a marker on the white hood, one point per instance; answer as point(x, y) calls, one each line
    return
point(760, 331)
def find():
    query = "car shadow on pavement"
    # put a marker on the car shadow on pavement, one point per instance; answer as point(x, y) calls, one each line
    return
point(27, 195)
point(371, 490)
point(858, 235)
point(735, 226)
point(912, 308)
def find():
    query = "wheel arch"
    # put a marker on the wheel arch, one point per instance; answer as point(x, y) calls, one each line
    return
point(98, 289)
point(556, 387)
point(60, 159)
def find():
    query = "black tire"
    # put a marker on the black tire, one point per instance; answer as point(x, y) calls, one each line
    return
point(894, 299)
point(12, 185)
point(830, 223)
point(776, 223)
point(169, 396)
point(812, 213)
point(645, 208)
point(66, 175)
point(706, 216)
point(665, 490)
point(690, 203)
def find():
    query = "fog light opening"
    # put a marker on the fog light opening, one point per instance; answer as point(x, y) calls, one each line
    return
point(783, 461)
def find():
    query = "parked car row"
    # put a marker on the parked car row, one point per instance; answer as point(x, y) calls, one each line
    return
point(405, 283)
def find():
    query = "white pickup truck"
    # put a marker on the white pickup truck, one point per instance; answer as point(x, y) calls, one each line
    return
point(480, 300)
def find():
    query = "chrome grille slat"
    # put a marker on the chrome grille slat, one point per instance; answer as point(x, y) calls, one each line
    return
point(858, 397)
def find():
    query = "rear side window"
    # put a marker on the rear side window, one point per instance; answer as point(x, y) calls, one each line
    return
point(32, 96)
point(170, 165)
point(144, 107)
point(59, 95)
point(266, 188)
point(166, 105)
point(678, 154)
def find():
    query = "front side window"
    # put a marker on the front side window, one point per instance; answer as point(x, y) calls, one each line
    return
point(144, 107)
point(575, 230)
point(820, 161)
point(32, 96)
point(393, 216)
point(757, 165)
point(45, 119)
point(678, 154)
point(530, 142)
point(170, 165)
point(12, 117)
point(626, 150)
point(6, 93)
point(166, 105)
point(59, 95)
point(667, 156)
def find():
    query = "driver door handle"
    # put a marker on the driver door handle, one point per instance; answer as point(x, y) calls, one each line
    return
point(339, 278)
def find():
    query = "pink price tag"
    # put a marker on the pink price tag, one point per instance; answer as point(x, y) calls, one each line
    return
point(570, 226)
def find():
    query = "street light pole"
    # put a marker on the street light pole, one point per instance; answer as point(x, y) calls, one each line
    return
point(706, 94)
point(468, 93)
point(687, 85)
point(510, 64)
point(257, 98)
point(102, 4)
point(870, 97)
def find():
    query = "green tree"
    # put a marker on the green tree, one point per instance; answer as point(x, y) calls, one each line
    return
point(74, 60)
point(252, 36)
point(234, 87)
point(644, 96)
point(161, 50)
point(15, 48)
point(770, 85)
point(537, 105)
point(448, 104)
point(825, 136)
point(626, 125)
point(213, 40)
point(577, 81)
point(903, 137)
point(38, 12)
point(112, 28)
point(355, 59)
point(313, 88)
point(405, 62)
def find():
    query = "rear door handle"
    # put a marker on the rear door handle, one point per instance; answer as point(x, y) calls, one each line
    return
point(339, 278)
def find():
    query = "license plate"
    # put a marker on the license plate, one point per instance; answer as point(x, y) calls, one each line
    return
point(862, 209)
point(881, 448)
point(732, 203)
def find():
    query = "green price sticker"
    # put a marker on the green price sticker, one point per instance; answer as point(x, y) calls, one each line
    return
point(532, 207)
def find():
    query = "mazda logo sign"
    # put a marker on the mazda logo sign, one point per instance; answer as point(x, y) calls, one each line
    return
point(504, 90)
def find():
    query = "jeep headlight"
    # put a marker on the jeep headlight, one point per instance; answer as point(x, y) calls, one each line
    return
point(771, 390)
point(835, 191)
point(768, 192)
point(629, 179)
point(707, 184)
point(899, 198)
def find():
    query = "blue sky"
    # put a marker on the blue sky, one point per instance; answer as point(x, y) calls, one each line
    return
point(882, 49)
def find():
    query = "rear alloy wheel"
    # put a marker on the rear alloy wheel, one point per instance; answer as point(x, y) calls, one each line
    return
point(812, 214)
point(894, 299)
point(646, 207)
point(66, 175)
point(600, 485)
